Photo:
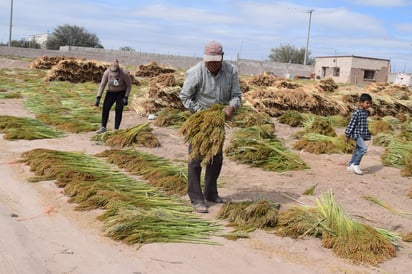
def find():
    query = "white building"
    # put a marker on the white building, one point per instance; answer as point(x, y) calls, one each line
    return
point(39, 38)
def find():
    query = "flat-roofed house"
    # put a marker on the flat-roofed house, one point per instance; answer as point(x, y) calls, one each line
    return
point(353, 69)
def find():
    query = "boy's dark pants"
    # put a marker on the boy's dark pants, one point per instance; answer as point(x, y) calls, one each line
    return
point(109, 100)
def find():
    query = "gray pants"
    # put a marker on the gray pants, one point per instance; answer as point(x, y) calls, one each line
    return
point(212, 172)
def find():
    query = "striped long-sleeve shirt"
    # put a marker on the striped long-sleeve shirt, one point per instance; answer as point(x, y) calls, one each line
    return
point(358, 125)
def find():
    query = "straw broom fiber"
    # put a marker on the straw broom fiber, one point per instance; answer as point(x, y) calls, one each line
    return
point(205, 131)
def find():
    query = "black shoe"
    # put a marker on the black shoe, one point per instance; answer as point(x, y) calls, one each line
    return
point(200, 208)
point(218, 200)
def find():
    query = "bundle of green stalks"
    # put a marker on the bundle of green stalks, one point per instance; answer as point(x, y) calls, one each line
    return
point(406, 130)
point(16, 128)
point(406, 171)
point(299, 222)
point(205, 132)
point(350, 239)
point(292, 118)
point(317, 124)
point(171, 117)
point(4, 94)
point(380, 126)
point(258, 146)
point(158, 171)
point(247, 216)
point(383, 139)
point(64, 105)
point(338, 120)
point(133, 212)
point(397, 154)
point(245, 116)
point(138, 135)
point(322, 144)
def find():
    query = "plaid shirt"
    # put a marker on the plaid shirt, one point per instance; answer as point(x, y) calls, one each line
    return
point(358, 125)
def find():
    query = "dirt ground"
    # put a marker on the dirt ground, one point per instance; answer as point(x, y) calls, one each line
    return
point(41, 233)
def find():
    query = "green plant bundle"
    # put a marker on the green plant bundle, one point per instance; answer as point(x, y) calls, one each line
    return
point(245, 116)
point(258, 147)
point(247, 216)
point(158, 171)
point(171, 117)
point(299, 222)
point(205, 132)
point(379, 126)
point(141, 135)
point(134, 212)
point(317, 124)
point(322, 144)
point(350, 239)
point(292, 118)
point(396, 153)
point(26, 128)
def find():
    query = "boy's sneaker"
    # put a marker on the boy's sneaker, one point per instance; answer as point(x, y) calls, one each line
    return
point(101, 130)
point(357, 170)
point(350, 168)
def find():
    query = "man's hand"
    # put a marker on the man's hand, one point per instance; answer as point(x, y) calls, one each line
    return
point(98, 101)
point(125, 101)
point(228, 112)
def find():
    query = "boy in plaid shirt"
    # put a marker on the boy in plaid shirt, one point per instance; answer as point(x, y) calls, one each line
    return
point(357, 129)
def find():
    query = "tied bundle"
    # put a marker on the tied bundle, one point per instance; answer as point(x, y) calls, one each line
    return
point(205, 131)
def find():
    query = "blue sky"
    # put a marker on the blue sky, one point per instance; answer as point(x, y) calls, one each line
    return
point(247, 29)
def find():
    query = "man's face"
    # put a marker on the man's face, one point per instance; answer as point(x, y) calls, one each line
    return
point(213, 66)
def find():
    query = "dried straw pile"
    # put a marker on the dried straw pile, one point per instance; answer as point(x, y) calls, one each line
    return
point(327, 84)
point(77, 71)
point(275, 102)
point(47, 62)
point(151, 70)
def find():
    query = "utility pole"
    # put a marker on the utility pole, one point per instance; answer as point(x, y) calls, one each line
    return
point(11, 22)
point(307, 38)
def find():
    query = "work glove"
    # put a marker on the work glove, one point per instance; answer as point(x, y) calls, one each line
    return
point(347, 139)
point(228, 112)
point(97, 101)
point(125, 101)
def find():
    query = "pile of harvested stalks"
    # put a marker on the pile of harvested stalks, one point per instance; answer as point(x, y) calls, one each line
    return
point(205, 132)
point(352, 240)
point(258, 146)
point(158, 171)
point(247, 216)
point(140, 135)
point(134, 212)
point(171, 117)
point(321, 144)
point(15, 128)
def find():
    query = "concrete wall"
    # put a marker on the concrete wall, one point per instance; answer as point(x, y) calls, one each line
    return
point(129, 58)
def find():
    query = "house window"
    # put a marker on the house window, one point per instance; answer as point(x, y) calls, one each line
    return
point(369, 75)
point(336, 71)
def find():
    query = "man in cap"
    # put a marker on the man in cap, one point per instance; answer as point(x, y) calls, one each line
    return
point(118, 90)
point(212, 81)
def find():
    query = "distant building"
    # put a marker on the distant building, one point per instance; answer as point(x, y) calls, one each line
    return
point(401, 79)
point(352, 69)
point(39, 38)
